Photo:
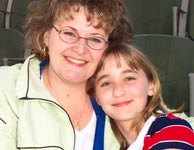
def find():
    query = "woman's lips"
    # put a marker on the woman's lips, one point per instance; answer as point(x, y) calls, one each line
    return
point(76, 61)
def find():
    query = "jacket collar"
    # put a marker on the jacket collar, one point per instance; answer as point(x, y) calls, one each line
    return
point(29, 81)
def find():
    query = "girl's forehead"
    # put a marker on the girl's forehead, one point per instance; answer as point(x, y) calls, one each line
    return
point(114, 61)
point(121, 60)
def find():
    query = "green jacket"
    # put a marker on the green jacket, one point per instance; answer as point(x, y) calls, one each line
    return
point(30, 117)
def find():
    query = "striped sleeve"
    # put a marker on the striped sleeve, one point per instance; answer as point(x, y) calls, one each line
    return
point(168, 131)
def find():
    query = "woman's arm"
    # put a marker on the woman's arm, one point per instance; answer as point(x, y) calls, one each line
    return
point(8, 124)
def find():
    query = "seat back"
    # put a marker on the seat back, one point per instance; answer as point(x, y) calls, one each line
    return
point(3, 11)
point(12, 13)
point(191, 20)
point(173, 58)
point(19, 11)
point(151, 16)
point(11, 45)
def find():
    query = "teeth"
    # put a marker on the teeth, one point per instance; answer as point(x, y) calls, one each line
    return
point(76, 61)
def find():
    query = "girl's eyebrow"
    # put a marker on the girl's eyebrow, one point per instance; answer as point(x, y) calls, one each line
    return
point(106, 75)
point(102, 77)
point(129, 71)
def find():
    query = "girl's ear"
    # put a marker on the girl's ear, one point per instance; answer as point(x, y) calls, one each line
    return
point(151, 89)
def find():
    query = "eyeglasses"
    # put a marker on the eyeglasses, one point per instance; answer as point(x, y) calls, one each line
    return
point(70, 36)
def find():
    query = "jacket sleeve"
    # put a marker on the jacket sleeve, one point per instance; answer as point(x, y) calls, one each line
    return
point(8, 124)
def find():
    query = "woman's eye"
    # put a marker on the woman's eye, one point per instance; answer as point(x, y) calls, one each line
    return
point(69, 33)
point(95, 40)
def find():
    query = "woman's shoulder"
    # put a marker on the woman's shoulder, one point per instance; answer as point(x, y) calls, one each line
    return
point(8, 73)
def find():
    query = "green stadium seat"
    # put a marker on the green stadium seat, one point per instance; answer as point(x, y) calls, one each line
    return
point(12, 13)
point(173, 58)
point(191, 20)
point(11, 46)
point(3, 6)
point(19, 11)
point(151, 16)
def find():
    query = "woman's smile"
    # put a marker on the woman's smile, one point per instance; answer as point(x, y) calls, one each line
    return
point(76, 61)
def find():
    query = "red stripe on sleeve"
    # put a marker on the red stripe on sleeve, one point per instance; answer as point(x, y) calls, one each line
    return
point(177, 133)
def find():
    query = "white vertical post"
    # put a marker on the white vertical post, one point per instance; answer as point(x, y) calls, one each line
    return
point(174, 16)
point(183, 18)
point(8, 14)
point(191, 85)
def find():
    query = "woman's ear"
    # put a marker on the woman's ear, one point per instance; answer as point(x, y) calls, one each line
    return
point(46, 38)
point(97, 100)
point(151, 89)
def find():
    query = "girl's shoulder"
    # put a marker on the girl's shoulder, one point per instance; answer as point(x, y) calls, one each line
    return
point(165, 121)
point(169, 131)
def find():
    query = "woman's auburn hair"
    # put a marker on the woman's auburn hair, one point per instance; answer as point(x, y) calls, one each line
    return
point(42, 14)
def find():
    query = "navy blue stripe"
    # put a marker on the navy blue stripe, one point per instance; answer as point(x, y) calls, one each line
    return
point(163, 121)
point(100, 124)
point(42, 65)
point(171, 144)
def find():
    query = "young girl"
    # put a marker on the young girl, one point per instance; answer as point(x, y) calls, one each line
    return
point(128, 89)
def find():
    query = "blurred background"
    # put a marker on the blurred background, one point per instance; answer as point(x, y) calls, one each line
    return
point(163, 30)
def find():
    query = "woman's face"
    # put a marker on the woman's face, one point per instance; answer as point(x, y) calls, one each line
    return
point(76, 62)
point(121, 91)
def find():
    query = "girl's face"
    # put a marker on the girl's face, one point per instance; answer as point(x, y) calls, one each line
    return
point(121, 91)
point(75, 62)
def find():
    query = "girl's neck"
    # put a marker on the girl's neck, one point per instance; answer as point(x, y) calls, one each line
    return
point(129, 133)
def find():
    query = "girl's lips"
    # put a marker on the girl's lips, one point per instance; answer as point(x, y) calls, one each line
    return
point(76, 61)
point(121, 104)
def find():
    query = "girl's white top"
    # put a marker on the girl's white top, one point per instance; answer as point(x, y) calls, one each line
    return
point(138, 143)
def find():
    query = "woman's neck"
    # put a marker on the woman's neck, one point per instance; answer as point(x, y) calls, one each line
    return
point(61, 89)
point(71, 97)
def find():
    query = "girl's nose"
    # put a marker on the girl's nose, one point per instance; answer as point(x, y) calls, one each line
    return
point(118, 90)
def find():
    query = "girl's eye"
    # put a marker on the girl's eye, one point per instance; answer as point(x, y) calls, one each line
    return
point(104, 84)
point(129, 78)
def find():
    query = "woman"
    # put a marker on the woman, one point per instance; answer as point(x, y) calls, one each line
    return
point(128, 89)
point(44, 104)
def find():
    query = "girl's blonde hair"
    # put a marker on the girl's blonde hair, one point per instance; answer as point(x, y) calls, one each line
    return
point(136, 60)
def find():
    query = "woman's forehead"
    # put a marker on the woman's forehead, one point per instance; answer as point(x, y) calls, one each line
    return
point(93, 17)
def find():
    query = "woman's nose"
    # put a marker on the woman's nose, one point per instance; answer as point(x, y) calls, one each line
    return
point(81, 46)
